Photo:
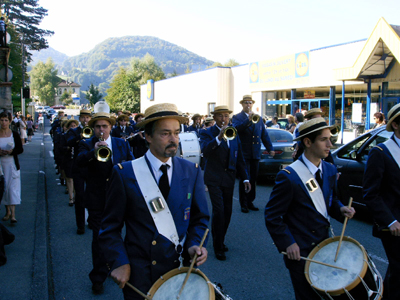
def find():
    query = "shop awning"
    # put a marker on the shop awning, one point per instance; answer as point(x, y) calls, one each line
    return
point(380, 53)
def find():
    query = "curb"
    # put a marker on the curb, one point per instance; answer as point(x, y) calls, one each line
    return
point(42, 278)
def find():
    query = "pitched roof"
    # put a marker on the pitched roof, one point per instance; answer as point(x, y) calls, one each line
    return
point(65, 83)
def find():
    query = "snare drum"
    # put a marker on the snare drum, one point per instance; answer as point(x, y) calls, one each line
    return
point(361, 280)
point(189, 147)
point(197, 287)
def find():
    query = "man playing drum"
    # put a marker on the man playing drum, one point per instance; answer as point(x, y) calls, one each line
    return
point(162, 222)
point(381, 191)
point(297, 214)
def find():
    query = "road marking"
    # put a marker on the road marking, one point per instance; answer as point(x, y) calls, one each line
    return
point(375, 257)
point(51, 153)
point(42, 144)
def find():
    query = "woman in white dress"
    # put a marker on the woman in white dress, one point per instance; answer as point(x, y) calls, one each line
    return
point(10, 147)
point(22, 129)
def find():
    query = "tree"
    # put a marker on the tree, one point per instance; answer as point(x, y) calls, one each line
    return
point(173, 74)
point(231, 63)
point(188, 70)
point(146, 68)
point(216, 64)
point(93, 94)
point(44, 81)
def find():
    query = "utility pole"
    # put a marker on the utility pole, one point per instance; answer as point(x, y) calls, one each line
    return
point(23, 76)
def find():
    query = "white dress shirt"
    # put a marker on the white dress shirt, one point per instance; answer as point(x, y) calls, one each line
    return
point(156, 164)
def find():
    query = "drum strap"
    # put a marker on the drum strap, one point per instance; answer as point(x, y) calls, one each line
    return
point(394, 150)
point(155, 202)
point(312, 187)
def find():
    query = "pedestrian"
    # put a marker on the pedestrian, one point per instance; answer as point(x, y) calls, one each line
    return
point(275, 123)
point(252, 133)
point(223, 157)
point(99, 168)
point(152, 248)
point(291, 125)
point(382, 196)
point(10, 148)
point(296, 217)
point(22, 130)
point(30, 125)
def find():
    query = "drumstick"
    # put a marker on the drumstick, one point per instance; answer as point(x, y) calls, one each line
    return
point(344, 227)
point(318, 262)
point(138, 291)
point(192, 264)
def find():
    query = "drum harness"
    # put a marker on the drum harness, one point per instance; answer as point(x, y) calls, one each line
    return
point(157, 205)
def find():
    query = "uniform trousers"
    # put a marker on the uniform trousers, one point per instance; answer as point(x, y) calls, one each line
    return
point(391, 244)
point(246, 199)
point(100, 268)
point(221, 200)
point(79, 186)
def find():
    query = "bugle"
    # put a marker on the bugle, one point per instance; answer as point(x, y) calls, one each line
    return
point(230, 133)
point(255, 118)
point(87, 132)
point(103, 153)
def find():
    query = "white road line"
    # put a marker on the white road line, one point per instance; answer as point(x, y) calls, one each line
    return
point(375, 257)
point(51, 153)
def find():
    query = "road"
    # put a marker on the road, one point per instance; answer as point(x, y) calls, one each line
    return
point(253, 270)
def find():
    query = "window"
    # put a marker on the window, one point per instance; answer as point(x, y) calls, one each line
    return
point(353, 147)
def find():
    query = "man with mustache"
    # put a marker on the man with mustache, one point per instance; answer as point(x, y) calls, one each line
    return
point(143, 192)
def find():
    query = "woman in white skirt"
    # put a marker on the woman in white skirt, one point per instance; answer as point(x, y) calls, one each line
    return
point(22, 130)
point(10, 147)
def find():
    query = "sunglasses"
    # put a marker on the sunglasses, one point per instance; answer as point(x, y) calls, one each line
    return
point(247, 102)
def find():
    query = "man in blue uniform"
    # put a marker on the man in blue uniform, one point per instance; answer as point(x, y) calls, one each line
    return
point(74, 136)
point(149, 251)
point(123, 128)
point(251, 135)
point(98, 173)
point(297, 215)
point(222, 159)
point(382, 195)
point(196, 126)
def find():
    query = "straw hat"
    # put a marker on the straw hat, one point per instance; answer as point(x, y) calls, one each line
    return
point(123, 117)
point(311, 126)
point(101, 116)
point(72, 121)
point(313, 112)
point(126, 112)
point(84, 112)
point(221, 109)
point(63, 121)
point(161, 111)
point(394, 112)
point(247, 98)
point(196, 116)
point(208, 120)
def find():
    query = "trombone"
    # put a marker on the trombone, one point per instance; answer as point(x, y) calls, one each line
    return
point(103, 153)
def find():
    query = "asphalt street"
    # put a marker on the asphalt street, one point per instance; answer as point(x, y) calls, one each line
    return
point(48, 260)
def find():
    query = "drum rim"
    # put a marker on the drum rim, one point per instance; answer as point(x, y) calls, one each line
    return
point(350, 286)
point(154, 288)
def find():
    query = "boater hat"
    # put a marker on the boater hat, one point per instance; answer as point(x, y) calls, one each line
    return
point(221, 109)
point(247, 98)
point(161, 111)
point(72, 121)
point(123, 117)
point(101, 116)
point(313, 112)
point(196, 116)
point(394, 112)
point(311, 126)
point(84, 112)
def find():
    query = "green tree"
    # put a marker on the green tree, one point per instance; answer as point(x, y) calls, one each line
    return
point(173, 74)
point(146, 68)
point(66, 98)
point(44, 81)
point(216, 64)
point(231, 63)
point(93, 94)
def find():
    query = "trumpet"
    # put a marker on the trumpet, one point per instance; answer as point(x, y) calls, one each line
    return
point(87, 132)
point(230, 133)
point(255, 118)
point(103, 153)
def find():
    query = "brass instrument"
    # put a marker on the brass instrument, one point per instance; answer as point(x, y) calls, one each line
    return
point(230, 133)
point(255, 118)
point(87, 132)
point(103, 153)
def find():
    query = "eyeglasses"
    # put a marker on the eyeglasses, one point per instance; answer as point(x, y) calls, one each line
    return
point(247, 102)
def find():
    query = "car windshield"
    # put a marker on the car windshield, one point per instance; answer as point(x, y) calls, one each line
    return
point(280, 136)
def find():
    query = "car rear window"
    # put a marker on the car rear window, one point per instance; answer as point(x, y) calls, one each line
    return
point(280, 136)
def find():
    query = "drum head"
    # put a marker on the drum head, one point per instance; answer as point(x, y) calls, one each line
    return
point(169, 285)
point(352, 257)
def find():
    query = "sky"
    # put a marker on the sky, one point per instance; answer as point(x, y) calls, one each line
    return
point(218, 30)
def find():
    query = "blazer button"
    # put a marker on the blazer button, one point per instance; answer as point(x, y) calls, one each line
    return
point(312, 244)
point(253, 136)
point(153, 262)
point(154, 243)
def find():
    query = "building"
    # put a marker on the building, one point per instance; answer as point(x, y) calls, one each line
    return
point(71, 88)
point(349, 82)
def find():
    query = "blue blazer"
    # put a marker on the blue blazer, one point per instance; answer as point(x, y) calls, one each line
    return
point(221, 162)
point(117, 131)
point(99, 172)
point(381, 188)
point(194, 129)
point(251, 136)
point(143, 245)
point(290, 214)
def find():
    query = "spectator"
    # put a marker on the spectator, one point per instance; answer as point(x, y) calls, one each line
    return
point(379, 119)
point(275, 123)
point(29, 125)
point(22, 130)
point(40, 121)
point(10, 147)
point(291, 125)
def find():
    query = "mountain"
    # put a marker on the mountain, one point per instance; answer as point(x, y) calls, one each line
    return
point(57, 57)
point(99, 65)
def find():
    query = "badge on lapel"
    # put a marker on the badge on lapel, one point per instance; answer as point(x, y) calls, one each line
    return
point(186, 215)
point(189, 195)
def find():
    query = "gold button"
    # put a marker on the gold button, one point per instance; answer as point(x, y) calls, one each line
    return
point(312, 244)
point(154, 262)
point(154, 243)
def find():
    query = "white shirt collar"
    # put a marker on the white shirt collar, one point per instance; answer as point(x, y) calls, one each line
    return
point(156, 164)
point(313, 169)
point(109, 143)
point(396, 139)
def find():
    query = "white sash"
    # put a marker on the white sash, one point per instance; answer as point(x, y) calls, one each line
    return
point(312, 186)
point(394, 150)
point(155, 201)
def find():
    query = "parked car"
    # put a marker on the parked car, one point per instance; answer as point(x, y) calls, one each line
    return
point(50, 112)
point(282, 123)
point(350, 160)
point(58, 107)
point(283, 145)
point(39, 109)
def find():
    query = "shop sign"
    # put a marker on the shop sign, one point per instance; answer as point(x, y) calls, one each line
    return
point(150, 89)
point(309, 94)
point(356, 116)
